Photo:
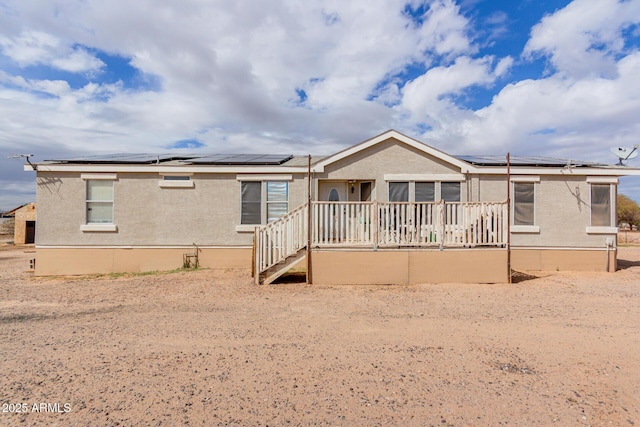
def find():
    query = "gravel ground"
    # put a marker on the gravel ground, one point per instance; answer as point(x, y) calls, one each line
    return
point(210, 348)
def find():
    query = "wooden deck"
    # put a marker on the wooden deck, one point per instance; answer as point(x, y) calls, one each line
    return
point(380, 225)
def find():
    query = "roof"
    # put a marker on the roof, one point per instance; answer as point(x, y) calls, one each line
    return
point(496, 160)
point(12, 212)
point(427, 149)
point(156, 159)
point(287, 163)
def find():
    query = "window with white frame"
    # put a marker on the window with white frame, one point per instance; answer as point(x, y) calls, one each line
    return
point(601, 205)
point(99, 201)
point(176, 180)
point(251, 209)
point(523, 203)
point(277, 199)
point(270, 197)
point(415, 191)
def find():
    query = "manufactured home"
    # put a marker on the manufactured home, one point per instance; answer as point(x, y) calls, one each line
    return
point(387, 210)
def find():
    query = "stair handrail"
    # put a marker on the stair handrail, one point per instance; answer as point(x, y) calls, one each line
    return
point(280, 238)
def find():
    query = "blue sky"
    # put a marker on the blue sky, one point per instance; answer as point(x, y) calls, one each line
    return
point(548, 78)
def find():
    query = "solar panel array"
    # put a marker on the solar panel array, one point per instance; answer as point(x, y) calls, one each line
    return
point(203, 159)
point(494, 160)
point(242, 159)
point(135, 158)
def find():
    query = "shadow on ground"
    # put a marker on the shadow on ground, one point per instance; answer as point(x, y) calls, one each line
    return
point(623, 264)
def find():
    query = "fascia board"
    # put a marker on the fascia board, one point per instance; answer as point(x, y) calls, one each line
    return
point(167, 169)
point(555, 171)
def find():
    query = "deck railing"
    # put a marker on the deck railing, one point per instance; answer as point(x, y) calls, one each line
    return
point(281, 238)
point(388, 224)
point(381, 224)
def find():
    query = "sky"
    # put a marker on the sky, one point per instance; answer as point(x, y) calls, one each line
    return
point(551, 78)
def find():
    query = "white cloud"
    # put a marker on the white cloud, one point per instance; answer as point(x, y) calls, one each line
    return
point(228, 73)
point(584, 38)
point(561, 116)
point(429, 94)
point(444, 29)
point(40, 48)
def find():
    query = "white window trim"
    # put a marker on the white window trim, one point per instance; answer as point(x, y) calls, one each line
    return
point(264, 177)
point(524, 228)
point(99, 227)
point(525, 179)
point(602, 180)
point(164, 183)
point(88, 176)
point(431, 177)
point(602, 230)
point(533, 229)
point(249, 228)
point(175, 184)
point(595, 229)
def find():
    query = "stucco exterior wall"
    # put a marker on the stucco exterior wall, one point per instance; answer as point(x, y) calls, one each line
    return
point(22, 215)
point(563, 260)
point(76, 261)
point(388, 157)
point(146, 214)
point(366, 267)
point(562, 211)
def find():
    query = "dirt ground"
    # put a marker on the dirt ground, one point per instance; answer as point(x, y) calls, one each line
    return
point(210, 348)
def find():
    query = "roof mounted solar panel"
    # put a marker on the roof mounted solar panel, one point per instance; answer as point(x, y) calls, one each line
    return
point(242, 159)
point(198, 159)
point(496, 160)
point(120, 158)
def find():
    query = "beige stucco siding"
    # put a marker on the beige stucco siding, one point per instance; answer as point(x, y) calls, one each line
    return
point(562, 211)
point(89, 260)
point(146, 214)
point(387, 158)
point(366, 267)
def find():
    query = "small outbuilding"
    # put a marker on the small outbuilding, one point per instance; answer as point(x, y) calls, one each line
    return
point(25, 224)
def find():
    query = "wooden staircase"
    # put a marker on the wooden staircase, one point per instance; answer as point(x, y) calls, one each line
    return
point(280, 245)
point(271, 274)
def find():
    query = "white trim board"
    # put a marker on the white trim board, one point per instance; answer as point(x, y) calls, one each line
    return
point(445, 177)
point(138, 247)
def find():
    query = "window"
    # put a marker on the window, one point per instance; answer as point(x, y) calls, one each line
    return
point(450, 191)
point(276, 201)
point(425, 192)
point(601, 205)
point(99, 201)
point(176, 177)
point(398, 191)
point(251, 212)
point(420, 191)
point(523, 203)
point(181, 180)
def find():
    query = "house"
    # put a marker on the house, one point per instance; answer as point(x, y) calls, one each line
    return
point(388, 210)
point(24, 229)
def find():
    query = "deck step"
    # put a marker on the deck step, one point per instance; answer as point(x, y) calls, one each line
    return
point(283, 266)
